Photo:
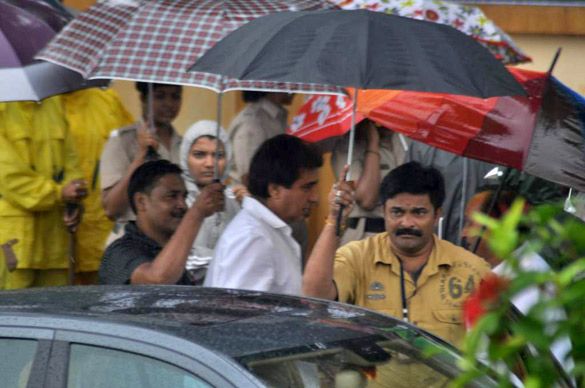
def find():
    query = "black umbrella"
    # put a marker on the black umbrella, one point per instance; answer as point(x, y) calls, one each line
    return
point(359, 49)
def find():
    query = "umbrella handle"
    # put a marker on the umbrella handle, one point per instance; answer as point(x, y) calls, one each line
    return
point(70, 208)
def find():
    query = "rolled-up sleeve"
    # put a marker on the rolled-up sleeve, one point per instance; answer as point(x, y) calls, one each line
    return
point(113, 163)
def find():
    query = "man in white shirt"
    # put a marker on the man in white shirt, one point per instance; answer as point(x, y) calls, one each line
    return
point(256, 250)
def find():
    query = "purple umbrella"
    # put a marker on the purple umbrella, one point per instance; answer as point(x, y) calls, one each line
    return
point(26, 26)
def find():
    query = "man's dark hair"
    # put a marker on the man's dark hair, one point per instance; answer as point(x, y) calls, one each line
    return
point(252, 96)
point(145, 177)
point(414, 178)
point(280, 160)
point(142, 87)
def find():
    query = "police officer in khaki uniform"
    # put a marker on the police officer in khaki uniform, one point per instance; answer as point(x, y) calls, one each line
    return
point(129, 147)
point(405, 271)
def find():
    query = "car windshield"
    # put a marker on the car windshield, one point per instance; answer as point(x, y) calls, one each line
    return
point(371, 361)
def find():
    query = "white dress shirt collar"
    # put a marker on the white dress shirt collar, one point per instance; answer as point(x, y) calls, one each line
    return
point(262, 212)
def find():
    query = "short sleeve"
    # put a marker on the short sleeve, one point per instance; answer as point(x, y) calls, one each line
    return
point(119, 262)
point(345, 275)
point(113, 163)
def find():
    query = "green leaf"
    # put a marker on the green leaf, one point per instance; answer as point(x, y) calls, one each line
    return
point(532, 382)
point(570, 273)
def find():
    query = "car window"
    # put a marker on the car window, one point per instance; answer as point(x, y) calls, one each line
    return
point(17, 356)
point(93, 367)
point(342, 369)
point(385, 363)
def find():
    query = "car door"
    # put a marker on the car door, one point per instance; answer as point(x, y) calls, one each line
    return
point(24, 355)
point(86, 360)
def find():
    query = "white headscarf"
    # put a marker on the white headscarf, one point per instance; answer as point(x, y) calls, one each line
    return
point(212, 227)
point(195, 131)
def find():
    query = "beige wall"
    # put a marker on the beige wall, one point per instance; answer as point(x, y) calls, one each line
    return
point(198, 104)
point(570, 68)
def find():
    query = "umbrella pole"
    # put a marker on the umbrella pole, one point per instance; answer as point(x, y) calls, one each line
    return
point(463, 199)
point(351, 135)
point(71, 208)
point(151, 154)
point(218, 126)
point(216, 177)
point(71, 259)
point(491, 206)
point(347, 177)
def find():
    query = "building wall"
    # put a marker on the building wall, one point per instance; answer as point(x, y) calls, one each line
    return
point(570, 68)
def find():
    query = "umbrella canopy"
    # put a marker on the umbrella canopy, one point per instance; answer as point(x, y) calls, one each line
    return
point(466, 18)
point(157, 40)
point(542, 134)
point(25, 27)
point(359, 49)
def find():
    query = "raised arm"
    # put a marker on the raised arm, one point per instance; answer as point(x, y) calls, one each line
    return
point(368, 183)
point(318, 275)
point(169, 264)
point(114, 196)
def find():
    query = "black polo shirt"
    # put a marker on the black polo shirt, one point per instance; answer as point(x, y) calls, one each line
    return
point(125, 254)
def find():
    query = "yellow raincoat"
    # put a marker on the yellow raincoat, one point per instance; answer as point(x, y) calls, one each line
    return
point(92, 114)
point(37, 158)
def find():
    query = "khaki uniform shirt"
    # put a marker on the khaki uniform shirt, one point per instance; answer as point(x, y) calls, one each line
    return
point(119, 152)
point(367, 274)
point(257, 122)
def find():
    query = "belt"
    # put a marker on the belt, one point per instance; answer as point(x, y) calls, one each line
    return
point(373, 225)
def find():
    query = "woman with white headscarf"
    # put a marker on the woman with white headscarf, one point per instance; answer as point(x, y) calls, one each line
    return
point(197, 158)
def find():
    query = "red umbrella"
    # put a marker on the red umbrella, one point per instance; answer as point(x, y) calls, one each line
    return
point(542, 134)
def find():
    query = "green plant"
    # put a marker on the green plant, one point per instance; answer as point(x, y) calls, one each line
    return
point(522, 343)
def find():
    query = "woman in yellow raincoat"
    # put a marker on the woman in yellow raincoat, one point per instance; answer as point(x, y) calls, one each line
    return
point(39, 172)
point(91, 115)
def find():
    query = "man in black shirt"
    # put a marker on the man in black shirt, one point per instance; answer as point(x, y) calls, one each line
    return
point(154, 249)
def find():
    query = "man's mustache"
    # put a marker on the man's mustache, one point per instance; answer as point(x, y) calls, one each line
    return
point(408, 231)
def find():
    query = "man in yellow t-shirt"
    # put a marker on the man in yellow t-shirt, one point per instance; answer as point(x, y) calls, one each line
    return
point(406, 271)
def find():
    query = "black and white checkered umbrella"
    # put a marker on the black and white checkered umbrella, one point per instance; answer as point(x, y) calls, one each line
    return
point(156, 40)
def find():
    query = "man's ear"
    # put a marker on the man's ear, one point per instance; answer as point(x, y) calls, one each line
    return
point(140, 201)
point(438, 214)
point(274, 190)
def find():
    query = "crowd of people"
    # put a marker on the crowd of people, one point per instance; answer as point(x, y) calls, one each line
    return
point(88, 196)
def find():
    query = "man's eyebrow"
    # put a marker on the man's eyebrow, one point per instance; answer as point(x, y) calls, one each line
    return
point(312, 183)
